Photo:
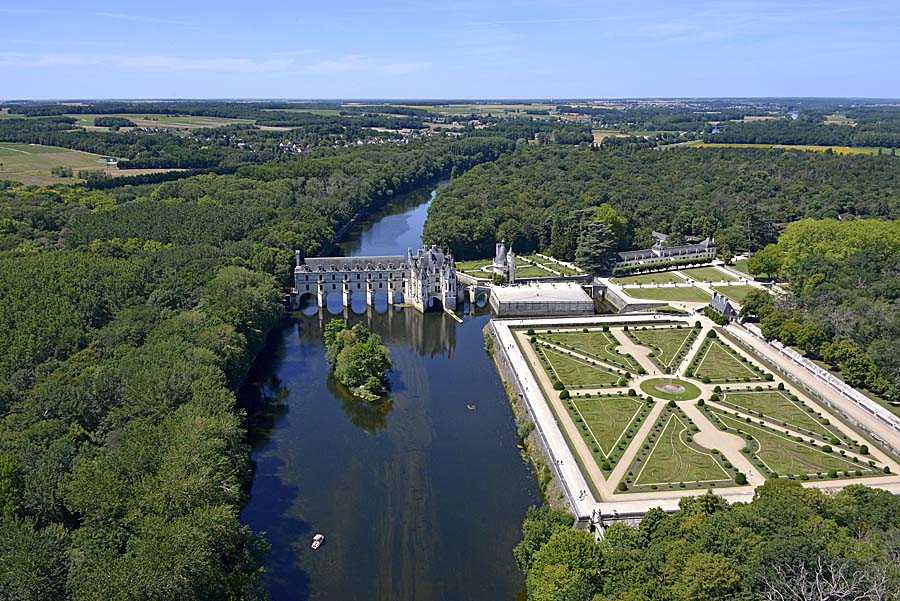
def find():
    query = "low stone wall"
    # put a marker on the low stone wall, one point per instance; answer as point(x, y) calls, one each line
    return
point(626, 305)
point(830, 379)
point(555, 489)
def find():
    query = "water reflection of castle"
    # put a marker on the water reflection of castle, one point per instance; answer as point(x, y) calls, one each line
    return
point(428, 334)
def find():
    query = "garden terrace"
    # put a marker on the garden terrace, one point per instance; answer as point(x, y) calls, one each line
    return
point(708, 274)
point(577, 372)
point(670, 459)
point(597, 344)
point(668, 345)
point(717, 362)
point(607, 423)
point(684, 294)
point(781, 454)
point(782, 408)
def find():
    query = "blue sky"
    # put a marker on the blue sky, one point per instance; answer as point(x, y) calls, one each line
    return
point(441, 49)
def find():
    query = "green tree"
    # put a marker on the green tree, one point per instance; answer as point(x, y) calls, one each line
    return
point(566, 567)
point(594, 244)
point(767, 261)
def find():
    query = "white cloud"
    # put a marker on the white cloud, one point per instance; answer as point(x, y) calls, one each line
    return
point(283, 62)
point(158, 62)
point(357, 63)
point(140, 18)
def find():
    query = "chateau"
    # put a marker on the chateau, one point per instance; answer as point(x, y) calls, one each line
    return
point(659, 253)
point(425, 280)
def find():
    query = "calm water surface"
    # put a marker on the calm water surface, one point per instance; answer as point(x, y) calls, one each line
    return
point(420, 498)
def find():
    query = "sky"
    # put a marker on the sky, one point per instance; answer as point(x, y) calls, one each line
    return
point(455, 49)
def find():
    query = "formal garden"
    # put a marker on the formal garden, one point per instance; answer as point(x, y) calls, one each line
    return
point(682, 294)
point(670, 459)
point(718, 362)
point(571, 371)
point(779, 453)
point(785, 435)
point(662, 277)
point(598, 344)
point(708, 274)
point(668, 345)
point(783, 409)
point(607, 423)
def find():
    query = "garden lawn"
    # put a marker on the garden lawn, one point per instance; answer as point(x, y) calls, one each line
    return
point(778, 406)
point(607, 419)
point(735, 293)
point(663, 277)
point(474, 267)
point(666, 342)
point(576, 373)
point(708, 274)
point(720, 363)
point(742, 267)
point(786, 456)
point(598, 344)
point(682, 294)
point(673, 460)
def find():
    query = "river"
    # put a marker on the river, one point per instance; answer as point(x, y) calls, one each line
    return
point(420, 495)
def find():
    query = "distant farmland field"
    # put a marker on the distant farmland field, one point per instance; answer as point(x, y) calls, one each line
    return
point(154, 120)
point(31, 164)
point(834, 149)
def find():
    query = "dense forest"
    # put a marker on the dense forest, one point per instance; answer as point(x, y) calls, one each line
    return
point(788, 544)
point(129, 317)
point(544, 198)
point(883, 131)
point(843, 304)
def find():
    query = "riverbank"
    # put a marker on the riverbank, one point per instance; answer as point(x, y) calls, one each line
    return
point(534, 448)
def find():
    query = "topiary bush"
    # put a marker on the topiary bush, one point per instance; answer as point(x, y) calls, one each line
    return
point(740, 479)
point(564, 394)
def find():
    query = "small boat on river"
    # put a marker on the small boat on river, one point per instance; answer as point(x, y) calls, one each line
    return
point(317, 540)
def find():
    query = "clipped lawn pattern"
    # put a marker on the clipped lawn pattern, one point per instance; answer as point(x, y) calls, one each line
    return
point(607, 420)
point(575, 373)
point(666, 342)
point(663, 277)
point(597, 344)
point(708, 274)
point(673, 459)
point(735, 293)
point(720, 363)
point(784, 455)
point(778, 406)
point(682, 294)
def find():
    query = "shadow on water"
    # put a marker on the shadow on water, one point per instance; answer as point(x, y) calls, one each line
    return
point(418, 496)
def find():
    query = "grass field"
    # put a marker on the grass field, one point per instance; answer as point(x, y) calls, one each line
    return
point(536, 267)
point(607, 419)
point(666, 342)
point(474, 267)
point(720, 363)
point(576, 373)
point(735, 293)
point(168, 121)
point(677, 294)
point(708, 274)
point(663, 277)
point(778, 406)
point(31, 164)
point(598, 344)
point(741, 265)
point(673, 459)
point(834, 149)
point(784, 455)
